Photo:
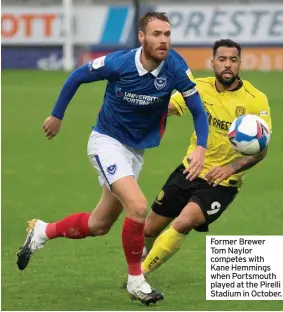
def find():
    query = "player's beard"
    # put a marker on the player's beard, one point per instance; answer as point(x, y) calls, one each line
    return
point(149, 52)
point(224, 81)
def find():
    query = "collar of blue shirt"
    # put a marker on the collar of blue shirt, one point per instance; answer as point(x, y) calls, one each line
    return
point(141, 69)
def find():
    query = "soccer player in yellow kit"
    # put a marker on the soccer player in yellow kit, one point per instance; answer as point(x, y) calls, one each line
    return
point(195, 203)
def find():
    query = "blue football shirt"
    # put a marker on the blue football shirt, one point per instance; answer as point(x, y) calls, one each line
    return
point(136, 101)
point(135, 104)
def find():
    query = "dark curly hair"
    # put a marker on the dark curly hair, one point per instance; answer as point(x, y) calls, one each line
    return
point(226, 43)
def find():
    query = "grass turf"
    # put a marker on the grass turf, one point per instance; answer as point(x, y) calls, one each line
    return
point(51, 179)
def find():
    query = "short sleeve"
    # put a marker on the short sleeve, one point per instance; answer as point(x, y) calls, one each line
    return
point(262, 109)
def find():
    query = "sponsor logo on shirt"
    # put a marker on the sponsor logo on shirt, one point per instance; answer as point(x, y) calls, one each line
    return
point(263, 113)
point(97, 63)
point(138, 99)
point(218, 123)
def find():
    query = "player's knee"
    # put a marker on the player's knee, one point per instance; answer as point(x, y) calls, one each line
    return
point(190, 218)
point(99, 229)
point(184, 224)
point(138, 208)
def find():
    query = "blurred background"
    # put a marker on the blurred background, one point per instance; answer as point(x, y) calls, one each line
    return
point(56, 34)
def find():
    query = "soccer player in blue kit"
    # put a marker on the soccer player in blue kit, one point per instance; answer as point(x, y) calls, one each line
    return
point(132, 119)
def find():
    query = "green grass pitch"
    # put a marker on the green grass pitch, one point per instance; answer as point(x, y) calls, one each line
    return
point(51, 179)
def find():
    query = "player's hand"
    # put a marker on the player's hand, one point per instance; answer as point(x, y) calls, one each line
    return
point(196, 163)
point(216, 175)
point(51, 126)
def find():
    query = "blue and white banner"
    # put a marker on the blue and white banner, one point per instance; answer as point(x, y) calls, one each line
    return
point(105, 25)
point(248, 24)
point(114, 25)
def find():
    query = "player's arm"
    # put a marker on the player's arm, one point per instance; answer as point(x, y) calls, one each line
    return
point(188, 97)
point(218, 174)
point(196, 159)
point(247, 162)
point(193, 102)
point(99, 69)
point(177, 105)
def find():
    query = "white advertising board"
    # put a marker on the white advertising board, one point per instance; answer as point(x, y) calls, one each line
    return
point(106, 24)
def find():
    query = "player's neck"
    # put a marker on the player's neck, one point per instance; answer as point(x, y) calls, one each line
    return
point(221, 88)
point(148, 63)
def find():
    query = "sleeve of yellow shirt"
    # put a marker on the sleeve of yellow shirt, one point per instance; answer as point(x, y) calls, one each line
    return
point(262, 109)
point(178, 101)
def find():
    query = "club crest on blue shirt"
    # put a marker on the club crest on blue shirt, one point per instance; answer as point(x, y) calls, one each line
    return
point(112, 169)
point(160, 83)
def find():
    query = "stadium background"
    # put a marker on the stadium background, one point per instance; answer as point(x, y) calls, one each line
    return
point(51, 179)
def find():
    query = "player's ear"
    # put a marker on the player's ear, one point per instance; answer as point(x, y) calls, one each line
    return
point(141, 36)
point(212, 63)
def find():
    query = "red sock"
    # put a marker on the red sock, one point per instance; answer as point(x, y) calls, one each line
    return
point(74, 226)
point(133, 243)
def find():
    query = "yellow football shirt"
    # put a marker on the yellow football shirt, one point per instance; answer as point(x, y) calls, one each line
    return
point(222, 109)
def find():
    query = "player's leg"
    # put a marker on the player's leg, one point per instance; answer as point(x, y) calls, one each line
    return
point(171, 240)
point(206, 205)
point(105, 214)
point(167, 205)
point(83, 224)
point(134, 202)
point(75, 226)
point(154, 225)
point(162, 213)
point(119, 166)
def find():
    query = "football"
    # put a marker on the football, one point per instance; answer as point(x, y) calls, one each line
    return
point(249, 134)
